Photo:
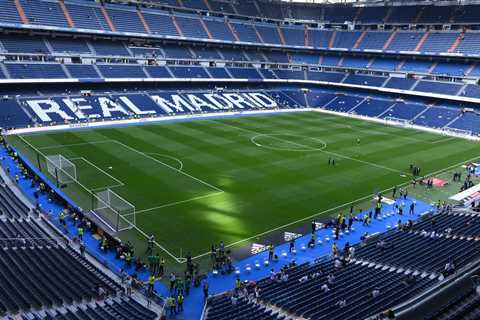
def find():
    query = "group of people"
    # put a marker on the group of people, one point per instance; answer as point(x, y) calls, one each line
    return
point(220, 259)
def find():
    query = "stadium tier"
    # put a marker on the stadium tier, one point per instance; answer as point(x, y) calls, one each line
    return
point(239, 160)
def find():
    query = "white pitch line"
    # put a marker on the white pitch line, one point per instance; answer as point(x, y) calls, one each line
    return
point(180, 162)
point(443, 140)
point(119, 182)
point(324, 151)
point(180, 202)
point(179, 260)
point(168, 166)
point(57, 146)
point(333, 209)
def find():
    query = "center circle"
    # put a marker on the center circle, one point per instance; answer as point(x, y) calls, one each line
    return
point(288, 142)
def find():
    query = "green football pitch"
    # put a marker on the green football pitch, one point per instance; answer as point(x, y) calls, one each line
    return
point(194, 183)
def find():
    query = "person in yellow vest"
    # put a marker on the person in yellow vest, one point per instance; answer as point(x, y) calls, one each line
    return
point(180, 299)
point(80, 232)
point(104, 244)
point(365, 219)
point(61, 219)
point(128, 258)
point(151, 283)
point(171, 303)
point(334, 249)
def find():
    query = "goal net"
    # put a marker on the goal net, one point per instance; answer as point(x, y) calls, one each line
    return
point(114, 211)
point(61, 168)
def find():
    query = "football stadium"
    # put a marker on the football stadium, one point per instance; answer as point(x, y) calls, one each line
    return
point(240, 159)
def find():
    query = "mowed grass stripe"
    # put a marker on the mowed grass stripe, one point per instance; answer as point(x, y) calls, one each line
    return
point(263, 188)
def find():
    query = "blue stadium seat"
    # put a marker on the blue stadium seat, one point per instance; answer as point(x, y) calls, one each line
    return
point(269, 33)
point(8, 12)
point(374, 40)
point(400, 83)
point(23, 44)
point(160, 22)
point(365, 80)
point(62, 45)
point(35, 70)
point(346, 39)
point(437, 42)
point(158, 72)
point(468, 121)
point(219, 30)
point(405, 41)
point(437, 117)
point(82, 71)
point(344, 103)
point(405, 111)
point(245, 31)
point(372, 107)
point(47, 13)
point(191, 27)
point(189, 72)
point(121, 71)
point(294, 36)
point(319, 38)
point(244, 73)
point(110, 48)
point(438, 87)
point(125, 19)
point(85, 16)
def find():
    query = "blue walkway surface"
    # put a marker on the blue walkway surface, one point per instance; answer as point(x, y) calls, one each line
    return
point(219, 283)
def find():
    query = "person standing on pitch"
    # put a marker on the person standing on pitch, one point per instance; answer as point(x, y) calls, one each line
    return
point(150, 243)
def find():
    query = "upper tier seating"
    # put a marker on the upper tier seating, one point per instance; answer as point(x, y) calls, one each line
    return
point(269, 33)
point(437, 42)
point(245, 32)
point(319, 38)
point(374, 40)
point(125, 20)
point(8, 12)
point(405, 41)
point(160, 23)
point(218, 30)
point(191, 27)
point(47, 13)
point(294, 36)
point(85, 16)
point(121, 71)
point(438, 87)
point(35, 70)
point(400, 83)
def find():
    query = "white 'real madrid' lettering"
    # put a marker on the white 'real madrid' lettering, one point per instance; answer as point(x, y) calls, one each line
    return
point(78, 105)
point(108, 107)
point(199, 103)
point(172, 106)
point(263, 99)
point(134, 108)
point(240, 101)
point(38, 106)
point(219, 101)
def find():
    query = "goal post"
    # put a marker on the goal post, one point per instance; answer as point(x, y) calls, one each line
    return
point(114, 211)
point(64, 170)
